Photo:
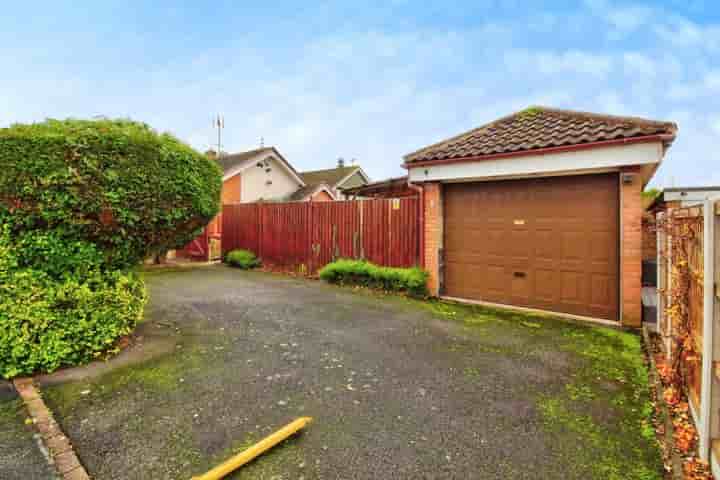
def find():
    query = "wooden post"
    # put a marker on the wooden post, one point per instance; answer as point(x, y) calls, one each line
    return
point(660, 271)
point(669, 218)
point(706, 389)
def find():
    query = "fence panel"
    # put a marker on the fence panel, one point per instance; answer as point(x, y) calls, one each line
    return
point(239, 227)
point(688, 230)
point(305, 236)
point(284, 233)
point(335, 230)
point(404, 244)
point(376, 231)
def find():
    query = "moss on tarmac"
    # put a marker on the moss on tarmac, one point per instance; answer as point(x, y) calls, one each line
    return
point(398, 388)
point(602, 419)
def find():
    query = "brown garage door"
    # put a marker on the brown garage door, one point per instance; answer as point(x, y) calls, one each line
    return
point(549, 243)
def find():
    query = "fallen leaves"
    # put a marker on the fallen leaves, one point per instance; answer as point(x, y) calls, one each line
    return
point(695, 469)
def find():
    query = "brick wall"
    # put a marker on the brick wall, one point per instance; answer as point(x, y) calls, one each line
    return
point(649, 237)
point(433, 234)
point(631, 213)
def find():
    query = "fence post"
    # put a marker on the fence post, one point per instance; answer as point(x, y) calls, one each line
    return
point(361, 241)
point(706, 390)
point(660, 273)
point(669, 220)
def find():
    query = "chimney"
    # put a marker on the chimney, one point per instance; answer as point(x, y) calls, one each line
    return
point(341, 162)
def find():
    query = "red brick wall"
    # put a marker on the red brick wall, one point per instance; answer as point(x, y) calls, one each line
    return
point(231, 190)
point(433, 234)
point(649, 237)
point(631, 212)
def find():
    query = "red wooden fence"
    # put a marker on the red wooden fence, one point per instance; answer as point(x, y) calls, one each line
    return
point(205, 246)
point(305, 236)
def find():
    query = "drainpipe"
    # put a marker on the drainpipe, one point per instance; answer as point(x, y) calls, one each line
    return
point(421, 193)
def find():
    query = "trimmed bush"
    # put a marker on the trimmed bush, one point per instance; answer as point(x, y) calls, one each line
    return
point(244, 259)
point(81, 204)
point(116, 183)
point(48, 320)
point(358, 272)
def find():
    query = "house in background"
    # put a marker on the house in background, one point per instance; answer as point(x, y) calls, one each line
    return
point(338, 178)
point(313, 193)
point(264, 174)
point(541, 209)
point(260, 174)
point(396, 187)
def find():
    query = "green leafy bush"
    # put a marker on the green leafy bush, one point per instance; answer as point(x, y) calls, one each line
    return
point(81, 204)
point(244, 259)
point(116, 183)
point(49, 319)
point(357, 272)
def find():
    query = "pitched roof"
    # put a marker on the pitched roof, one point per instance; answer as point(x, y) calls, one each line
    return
point(389, 188)
point(230, 161)
point(330, 176)
point(307, 191)
point(539, 128)
point(233, 160)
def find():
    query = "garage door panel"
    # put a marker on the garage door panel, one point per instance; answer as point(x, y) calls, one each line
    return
point(546, 285)
point(496, 280)
point(496, 244)
point(465, 285)
point(520, 287)
point(545, 244)
point(603, 290)
point(573, 246)
point(560, 232)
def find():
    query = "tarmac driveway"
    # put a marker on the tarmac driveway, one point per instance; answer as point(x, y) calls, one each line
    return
point(20, 455)
point(398, 388)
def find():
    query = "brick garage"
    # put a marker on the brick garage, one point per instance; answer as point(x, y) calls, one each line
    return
point(541, 209)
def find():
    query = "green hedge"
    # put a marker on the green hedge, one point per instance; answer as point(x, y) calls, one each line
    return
point(357, 272)
point(126, 188)
point(242, 259)
point(81, 204)
point(50, 319)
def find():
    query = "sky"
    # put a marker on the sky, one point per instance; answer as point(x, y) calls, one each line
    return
point(366, 80)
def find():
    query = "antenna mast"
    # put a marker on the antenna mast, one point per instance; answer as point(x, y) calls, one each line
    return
point(219, 123)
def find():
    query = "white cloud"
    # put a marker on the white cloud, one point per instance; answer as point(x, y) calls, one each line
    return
point(683, 33)
point(639, 64)
point(376, 95)
point(628, 19)
point(531, 62)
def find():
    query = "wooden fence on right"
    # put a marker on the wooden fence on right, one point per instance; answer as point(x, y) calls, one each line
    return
point(305, 236)
point(688, 244)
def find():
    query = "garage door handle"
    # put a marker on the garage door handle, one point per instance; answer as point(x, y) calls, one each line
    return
point(519, 274)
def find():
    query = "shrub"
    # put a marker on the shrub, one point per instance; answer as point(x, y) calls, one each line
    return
point(81, 204)
point(244, 259)
point(357, 272)
point(50, 319)
point(116, 183)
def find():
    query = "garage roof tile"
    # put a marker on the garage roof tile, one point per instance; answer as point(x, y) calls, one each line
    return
point(537, 128)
